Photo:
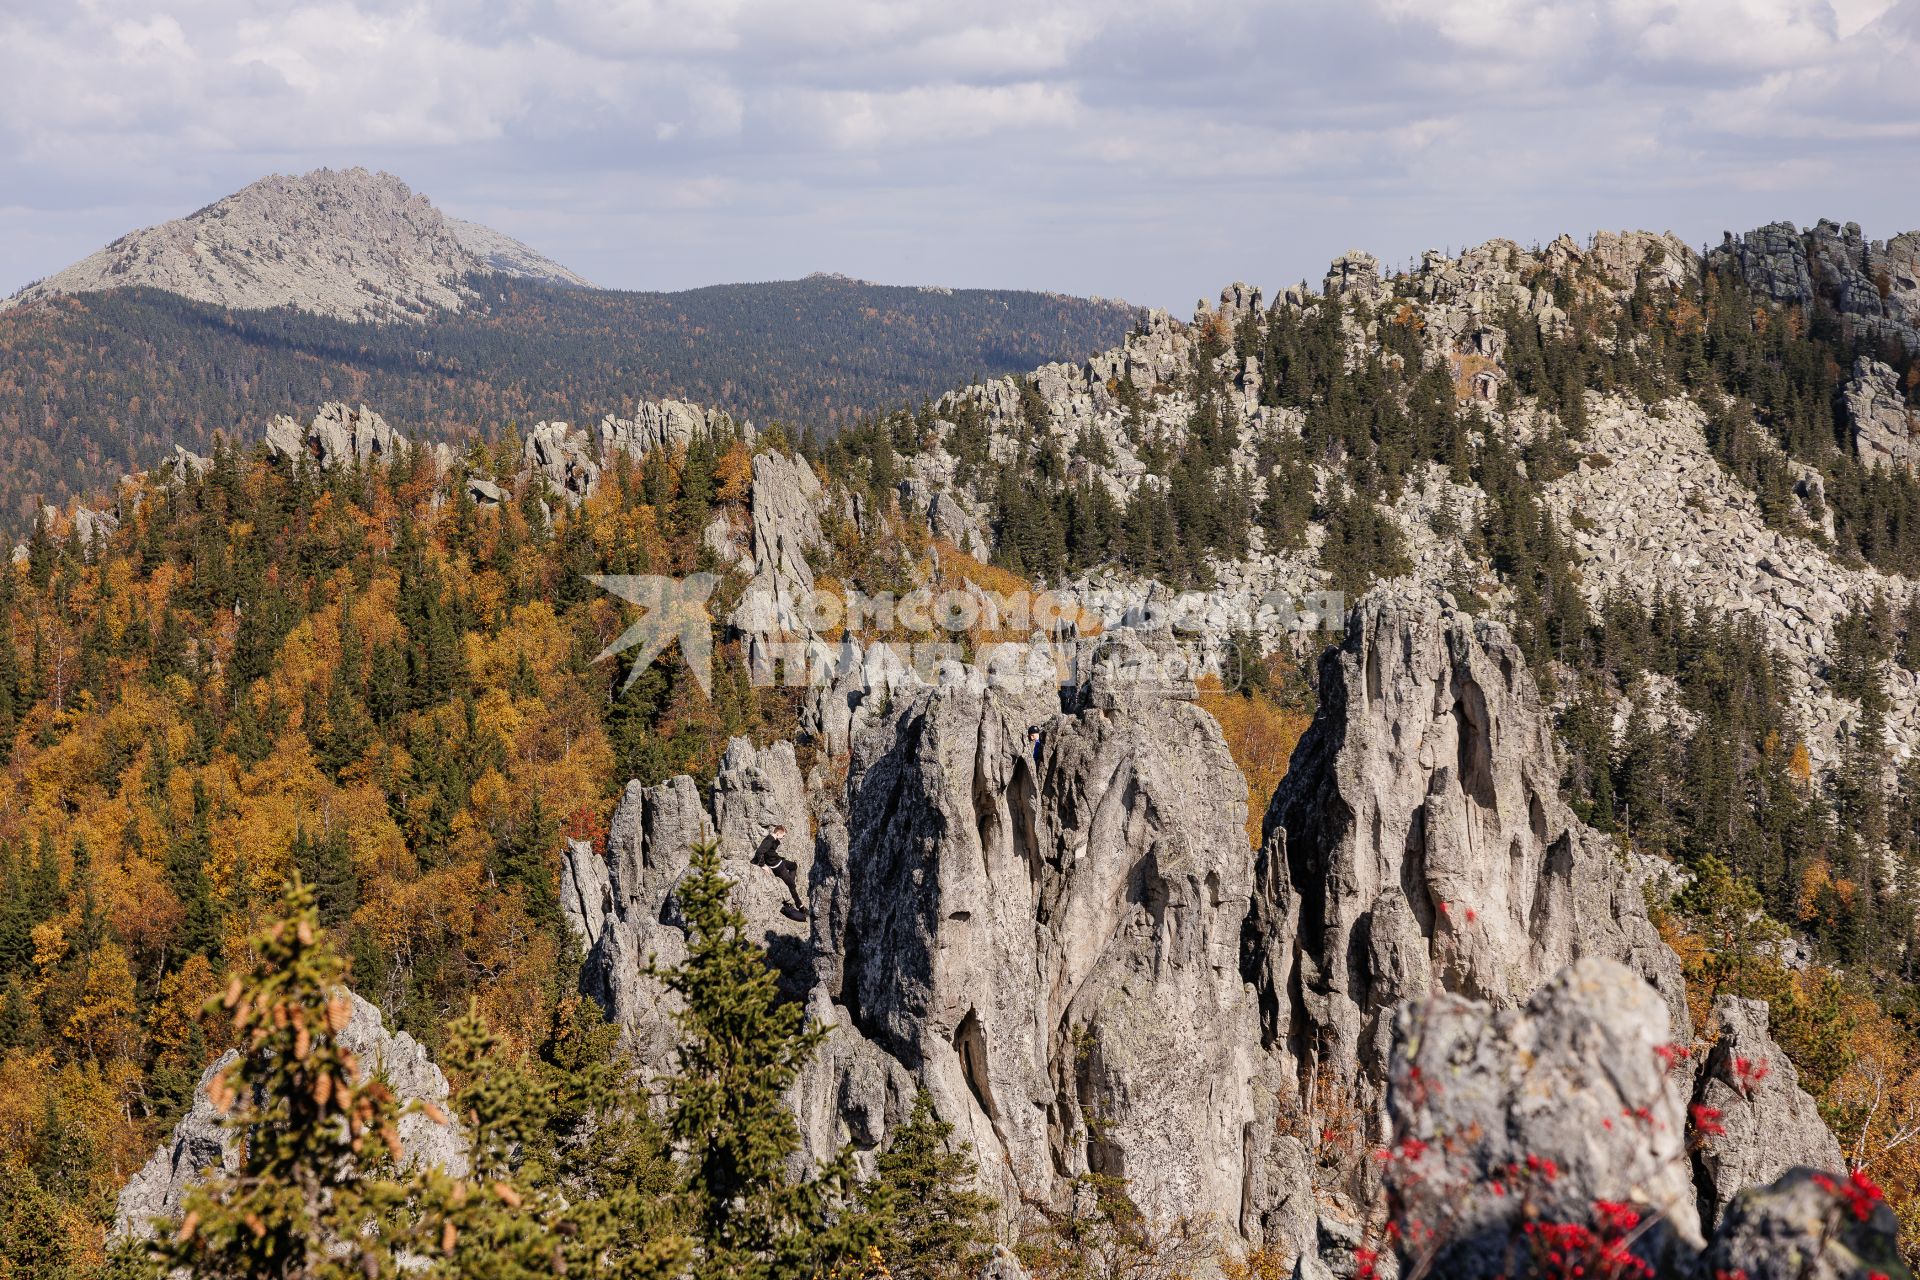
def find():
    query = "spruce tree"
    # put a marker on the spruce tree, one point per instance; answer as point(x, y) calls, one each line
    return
point(308, 1198)
point(507, 1219)
point(741, 1047)
point(34, 1240)
point(326, 863)
point(527, 856)
point(933, 1223)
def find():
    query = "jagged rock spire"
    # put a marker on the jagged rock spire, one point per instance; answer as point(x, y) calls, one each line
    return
point(1419, 843)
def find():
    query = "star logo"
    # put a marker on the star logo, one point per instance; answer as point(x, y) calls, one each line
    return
point(676, 609)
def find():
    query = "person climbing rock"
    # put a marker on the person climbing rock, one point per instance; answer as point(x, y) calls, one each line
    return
point(769, 854)
point(1033, 741)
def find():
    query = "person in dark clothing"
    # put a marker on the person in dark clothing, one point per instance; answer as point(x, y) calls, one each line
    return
point(784, 868)
point(1033, 741)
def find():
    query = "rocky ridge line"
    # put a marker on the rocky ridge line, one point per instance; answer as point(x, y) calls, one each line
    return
point(1649, 506)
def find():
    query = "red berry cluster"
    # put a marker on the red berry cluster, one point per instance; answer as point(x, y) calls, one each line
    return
point(1706, 1120)
point(1748, 1073)
point(1570, 1251)
point(1860, 1192)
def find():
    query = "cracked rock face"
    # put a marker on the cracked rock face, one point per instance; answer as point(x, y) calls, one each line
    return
point(662, 424)
point(1806, 1226)
point(571, 460)
point(201, 1139)
point(1883, 427)
point(1873, 286)
point(619, 907)
point(1773, 260)
point(339, 436)
point(622, 904)
point(565, 458)
point(1049, 939)
point(1419, 843)
point(1070, 945)
point(1502, 1117)
point(1556, 1104)
point(1771, 1123)
point(947, 517)
point(784, 508)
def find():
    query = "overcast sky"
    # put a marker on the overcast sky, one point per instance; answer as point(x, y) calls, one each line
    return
point(1149, 151)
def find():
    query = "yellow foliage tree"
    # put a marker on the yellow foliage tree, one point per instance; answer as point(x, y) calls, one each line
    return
point(1261, 734)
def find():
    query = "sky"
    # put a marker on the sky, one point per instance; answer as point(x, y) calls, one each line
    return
point(1149, 151)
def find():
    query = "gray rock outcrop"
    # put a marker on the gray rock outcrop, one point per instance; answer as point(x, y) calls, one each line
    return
point(1419, 842)
point(784, 510)
point(1505, 1120)
point(184, 464)
point(1500, 1114)
point(338, 436)
point(202, 1139)
point(946, 516)
point(620, 906)
point(571, 459)
point(1075, 951)
point(92, 527)
point(1770, 1123)
point(1655, 512)
point(1872, 286)
point(1049, 939)
point(1773, 261)
point(565, 458)
point(501, 254)
point(484, 492)
point(659, 424)
point(198, 1142)
point(621, 903)
point(1354, 273)
point(1883, 426)
point(1808, 1225)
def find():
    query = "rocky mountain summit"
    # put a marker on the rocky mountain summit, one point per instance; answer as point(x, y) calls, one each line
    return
point(348, 244)
point(1645, 501)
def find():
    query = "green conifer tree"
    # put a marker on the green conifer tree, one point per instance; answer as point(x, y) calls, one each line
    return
point(310, 1198)
point(933, 1223)
point(741, 1047)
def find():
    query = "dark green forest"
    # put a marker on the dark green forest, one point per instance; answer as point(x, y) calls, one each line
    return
point(96, 386)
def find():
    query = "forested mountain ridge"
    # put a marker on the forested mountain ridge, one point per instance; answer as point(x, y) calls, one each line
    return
point(98, 385)
point(347, 285)
point(1683, 480)
point(353, 670)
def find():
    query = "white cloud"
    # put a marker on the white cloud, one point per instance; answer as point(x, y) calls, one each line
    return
point(855, 119)
point(1118, 146)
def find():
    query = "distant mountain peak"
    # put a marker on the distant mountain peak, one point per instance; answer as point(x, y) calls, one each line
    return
point(346, 243)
